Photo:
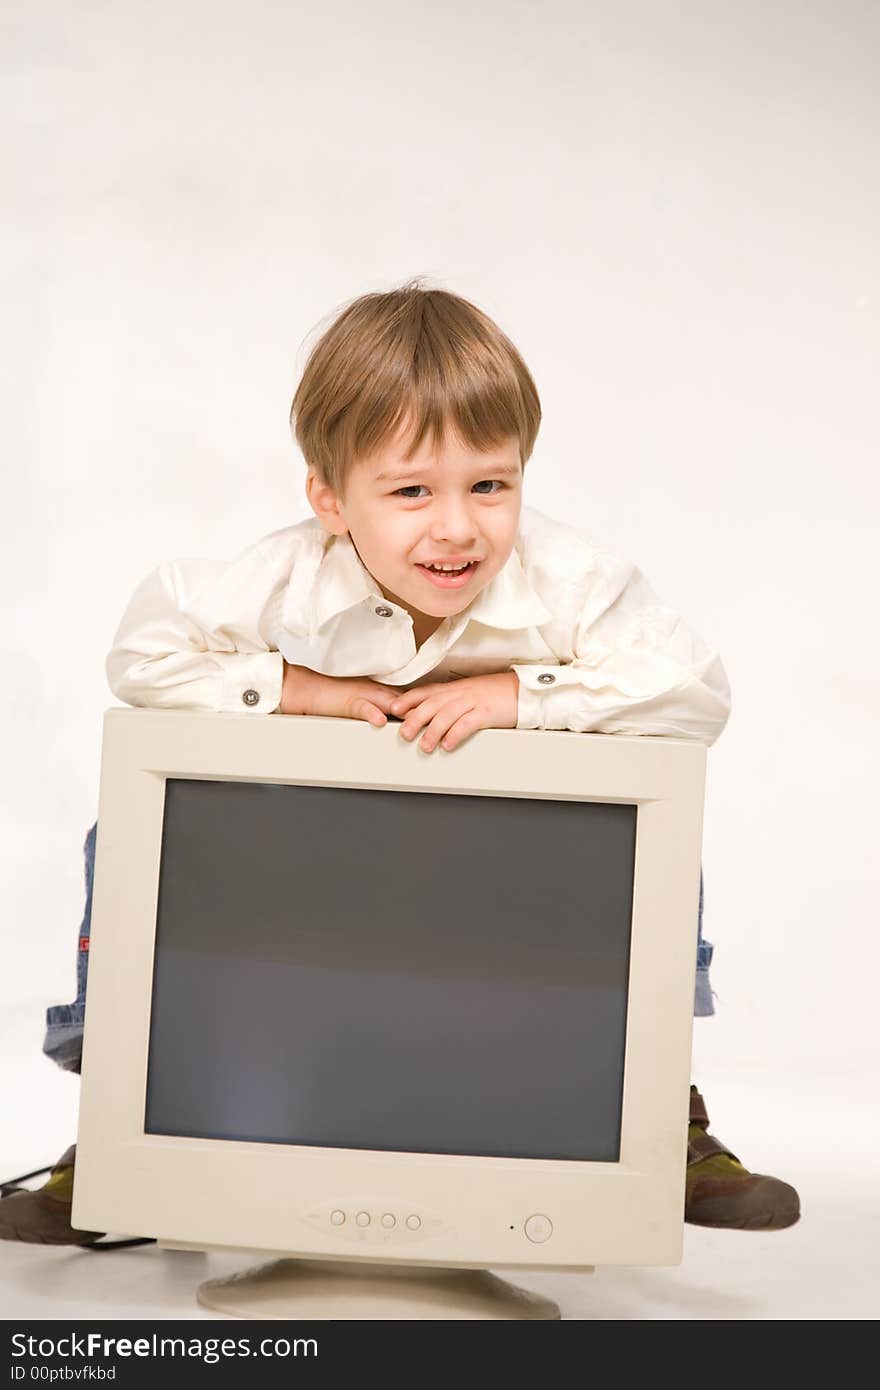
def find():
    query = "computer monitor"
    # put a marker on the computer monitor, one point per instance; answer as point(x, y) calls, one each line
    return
point(370, 1010)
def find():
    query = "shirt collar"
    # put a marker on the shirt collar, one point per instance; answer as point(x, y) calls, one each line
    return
point(330, 578)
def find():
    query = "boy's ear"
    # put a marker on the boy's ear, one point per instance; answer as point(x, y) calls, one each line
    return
point(326, 505)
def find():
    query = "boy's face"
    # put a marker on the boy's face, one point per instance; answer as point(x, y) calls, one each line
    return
point(444, 506)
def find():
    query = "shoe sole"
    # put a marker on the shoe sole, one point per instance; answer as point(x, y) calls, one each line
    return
point(778, 1222)
point(30, 1237)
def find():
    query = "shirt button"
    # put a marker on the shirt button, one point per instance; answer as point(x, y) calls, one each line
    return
point(251, 697)
point(384, 612)
point(545, 678)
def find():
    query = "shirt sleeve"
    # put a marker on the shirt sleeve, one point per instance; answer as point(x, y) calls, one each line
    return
point(168, 654)
point(637, 669)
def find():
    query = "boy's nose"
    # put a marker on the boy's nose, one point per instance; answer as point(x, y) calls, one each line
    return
point(453, 526)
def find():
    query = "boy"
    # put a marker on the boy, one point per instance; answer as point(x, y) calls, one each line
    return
point(454, 610)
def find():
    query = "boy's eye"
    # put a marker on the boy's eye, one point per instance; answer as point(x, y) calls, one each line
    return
point(413, 487)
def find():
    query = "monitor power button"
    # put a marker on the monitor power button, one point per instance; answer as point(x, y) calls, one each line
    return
point(538, 1229)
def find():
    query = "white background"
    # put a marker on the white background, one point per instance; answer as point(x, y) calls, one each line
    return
point(671, 206)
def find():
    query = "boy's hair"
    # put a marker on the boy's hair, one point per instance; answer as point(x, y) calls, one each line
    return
point(422, 355)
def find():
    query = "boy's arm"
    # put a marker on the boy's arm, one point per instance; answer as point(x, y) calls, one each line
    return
point(637, 668)
point(168, 654)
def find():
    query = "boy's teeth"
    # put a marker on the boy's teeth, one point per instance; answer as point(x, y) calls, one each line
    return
point(448, 569)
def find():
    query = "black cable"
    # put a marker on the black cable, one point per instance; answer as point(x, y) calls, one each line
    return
point(120, 1244)
point(12, 1183)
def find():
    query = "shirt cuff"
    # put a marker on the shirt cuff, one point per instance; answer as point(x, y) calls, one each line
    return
point(251, 684)
point(535, 684)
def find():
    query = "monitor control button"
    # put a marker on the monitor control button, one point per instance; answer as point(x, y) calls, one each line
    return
point(388, 1221)
point(363, 1218)
point(337, 1217)
point(538, 1229)
point(413, 1223)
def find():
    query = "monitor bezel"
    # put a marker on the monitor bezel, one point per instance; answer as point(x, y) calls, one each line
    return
point(473, 1210)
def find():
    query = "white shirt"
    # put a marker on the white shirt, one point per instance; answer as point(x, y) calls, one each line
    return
point(593, 648)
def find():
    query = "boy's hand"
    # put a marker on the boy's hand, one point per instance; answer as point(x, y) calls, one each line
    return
point(452, 710)
point(310, 692)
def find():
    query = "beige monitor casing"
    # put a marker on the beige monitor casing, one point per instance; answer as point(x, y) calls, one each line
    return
point(472, 1212)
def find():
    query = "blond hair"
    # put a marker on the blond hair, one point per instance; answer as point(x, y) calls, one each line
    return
point(425, 356)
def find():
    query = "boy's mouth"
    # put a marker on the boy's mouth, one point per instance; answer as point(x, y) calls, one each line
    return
point(450, 579)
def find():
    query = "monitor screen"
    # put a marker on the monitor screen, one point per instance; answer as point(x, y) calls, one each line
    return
point(422, 972)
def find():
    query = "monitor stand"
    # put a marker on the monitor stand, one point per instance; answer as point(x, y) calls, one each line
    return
point(346, 1290)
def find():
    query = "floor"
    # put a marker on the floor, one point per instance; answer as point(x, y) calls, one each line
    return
point(822, 1268)
point(808, 1272)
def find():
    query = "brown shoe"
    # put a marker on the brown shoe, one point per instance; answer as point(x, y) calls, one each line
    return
point(720, 1192)
point(42, 1217)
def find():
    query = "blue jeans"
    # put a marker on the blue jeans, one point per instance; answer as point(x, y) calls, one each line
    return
point(64, 1022)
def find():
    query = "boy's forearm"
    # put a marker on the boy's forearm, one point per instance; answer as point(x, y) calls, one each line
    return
point(294, 686)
